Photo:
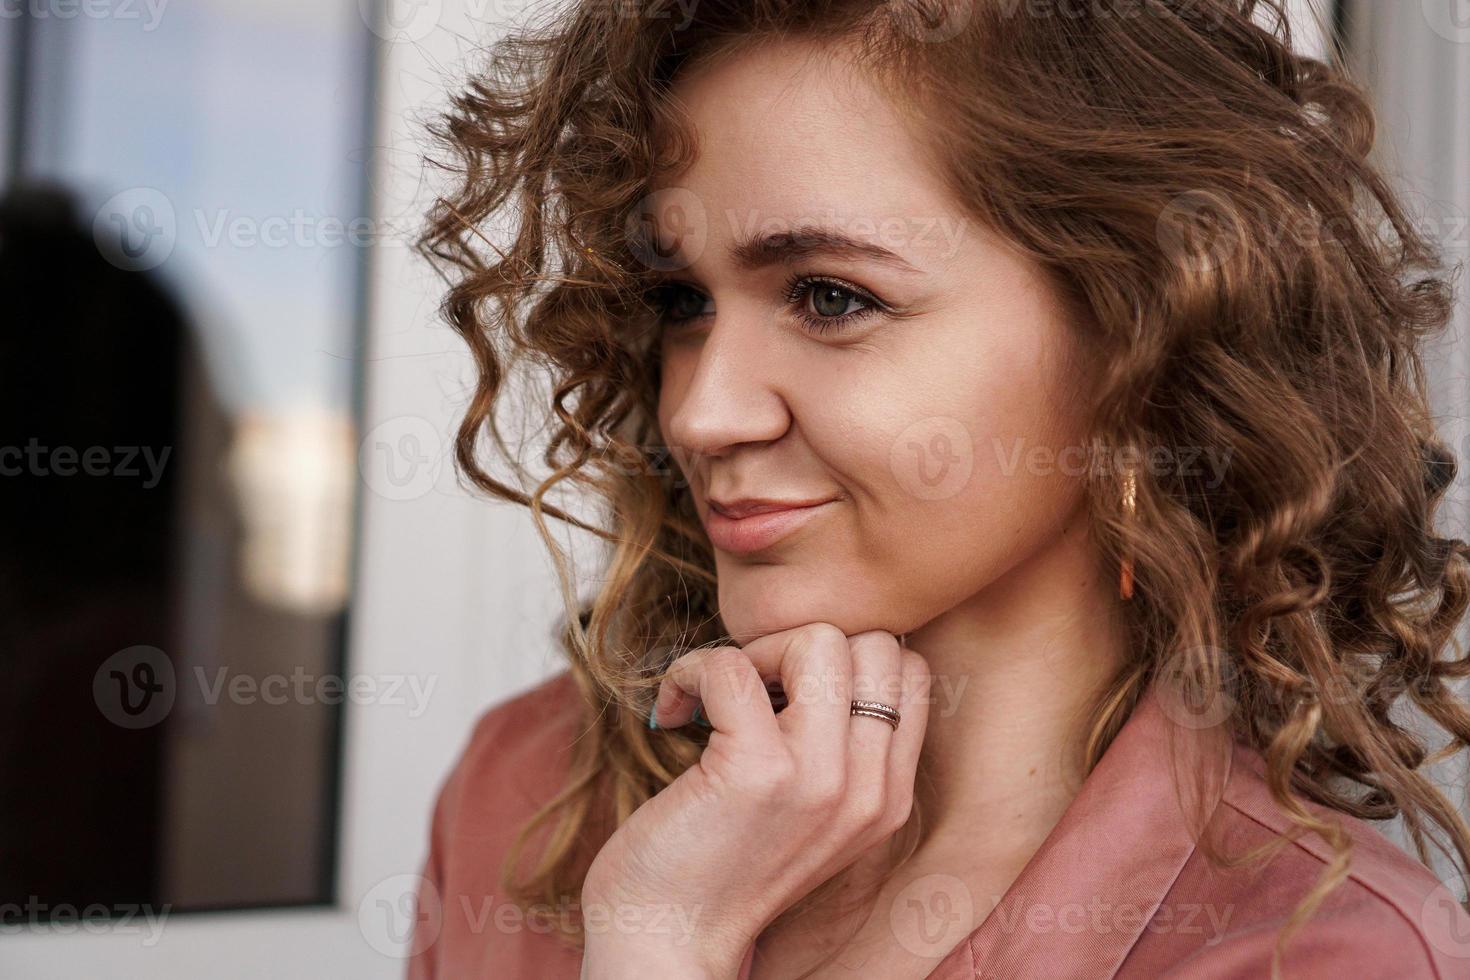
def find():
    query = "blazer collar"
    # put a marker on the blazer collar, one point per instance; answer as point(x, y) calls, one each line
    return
point(1084, 898)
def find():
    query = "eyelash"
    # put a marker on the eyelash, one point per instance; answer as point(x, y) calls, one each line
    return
point(795, 288)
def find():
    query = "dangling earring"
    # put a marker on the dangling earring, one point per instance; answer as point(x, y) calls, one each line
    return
point(1130, 492)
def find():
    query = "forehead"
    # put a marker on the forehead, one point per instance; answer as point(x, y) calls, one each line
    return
point(792, 134)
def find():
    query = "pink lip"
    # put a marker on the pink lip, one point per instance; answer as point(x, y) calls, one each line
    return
point(762, 524)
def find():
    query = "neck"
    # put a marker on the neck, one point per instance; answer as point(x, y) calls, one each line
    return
point(1016, 669)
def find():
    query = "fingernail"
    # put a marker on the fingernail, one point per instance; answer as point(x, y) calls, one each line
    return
point(699, 717)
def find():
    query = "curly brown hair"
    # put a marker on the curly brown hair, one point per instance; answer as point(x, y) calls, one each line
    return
point(1248, 280)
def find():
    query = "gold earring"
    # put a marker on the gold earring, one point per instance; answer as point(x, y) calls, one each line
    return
point(1130, 492)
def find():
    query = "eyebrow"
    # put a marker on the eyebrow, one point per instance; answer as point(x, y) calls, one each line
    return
point(785, 247)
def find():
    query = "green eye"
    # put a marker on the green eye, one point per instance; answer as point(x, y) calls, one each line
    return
point(829, 303)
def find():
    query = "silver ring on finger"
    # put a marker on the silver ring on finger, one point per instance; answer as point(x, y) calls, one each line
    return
point(876, 709)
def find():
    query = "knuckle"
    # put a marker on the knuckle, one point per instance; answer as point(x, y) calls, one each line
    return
point(867, 809)
point(771, 778)
point(877, 642)
point(725, 658)
point(688, 665)
point(818, 636)
point(825, 790)
point(728, 664)
point(900, 808)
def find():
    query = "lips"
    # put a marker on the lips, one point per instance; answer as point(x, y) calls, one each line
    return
point(749, 506)
point(746, 526)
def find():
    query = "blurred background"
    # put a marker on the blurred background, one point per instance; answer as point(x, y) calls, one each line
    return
point(247, 616)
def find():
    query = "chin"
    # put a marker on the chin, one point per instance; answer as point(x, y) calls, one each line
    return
point(765, 609)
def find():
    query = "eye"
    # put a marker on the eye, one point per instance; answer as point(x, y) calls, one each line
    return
point(676, 302)
point(823, 304)
point(830, 305)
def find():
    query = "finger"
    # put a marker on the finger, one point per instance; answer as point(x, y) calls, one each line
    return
point(726, 685)
point(908, 737)
point(814, 664)
point(876, 676)
point(673, 705)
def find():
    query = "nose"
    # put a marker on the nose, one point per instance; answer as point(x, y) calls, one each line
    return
point(725, 394)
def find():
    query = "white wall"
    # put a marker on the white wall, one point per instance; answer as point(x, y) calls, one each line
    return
point(454, 587)
point(1311, 22)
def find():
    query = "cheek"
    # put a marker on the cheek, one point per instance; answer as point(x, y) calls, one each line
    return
point(959, 469)
point(673, 377)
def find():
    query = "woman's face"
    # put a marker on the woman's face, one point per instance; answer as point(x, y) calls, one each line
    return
point(917, 380)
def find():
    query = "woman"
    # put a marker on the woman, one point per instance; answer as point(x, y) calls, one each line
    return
point(1045, 529)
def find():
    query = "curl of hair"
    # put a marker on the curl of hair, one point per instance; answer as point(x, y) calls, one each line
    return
point(1246, 282)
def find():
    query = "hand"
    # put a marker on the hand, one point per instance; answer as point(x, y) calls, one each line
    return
point(776, 804)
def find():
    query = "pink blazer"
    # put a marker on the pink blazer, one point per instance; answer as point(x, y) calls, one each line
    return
point(1118, 889)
